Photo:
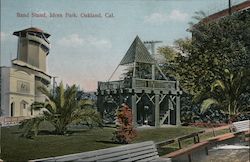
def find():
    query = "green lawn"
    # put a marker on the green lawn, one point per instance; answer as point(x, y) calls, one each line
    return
point(16, 148)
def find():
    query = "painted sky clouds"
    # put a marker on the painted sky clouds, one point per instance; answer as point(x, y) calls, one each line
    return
point(157, 18)
point(86, 50)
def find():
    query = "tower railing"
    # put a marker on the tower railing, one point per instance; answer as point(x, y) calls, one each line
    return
point(37, 38)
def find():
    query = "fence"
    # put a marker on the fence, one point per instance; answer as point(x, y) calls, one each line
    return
point(6, 121)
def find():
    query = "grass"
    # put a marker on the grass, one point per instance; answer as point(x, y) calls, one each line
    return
point(161, 134)
point(16, 148)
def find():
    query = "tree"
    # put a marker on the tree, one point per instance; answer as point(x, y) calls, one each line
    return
point(226, 93)
point(200, 61)
point(61, 109)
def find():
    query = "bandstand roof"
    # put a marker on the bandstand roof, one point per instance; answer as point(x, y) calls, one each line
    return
point(137, 52)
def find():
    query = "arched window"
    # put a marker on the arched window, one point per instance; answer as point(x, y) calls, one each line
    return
point(12, 109)
point(23, 108)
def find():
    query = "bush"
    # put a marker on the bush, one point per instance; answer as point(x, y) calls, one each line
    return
point(125, 131)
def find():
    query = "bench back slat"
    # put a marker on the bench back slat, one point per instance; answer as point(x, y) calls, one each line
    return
point(241, 125)
point(131, 151)
point(127, 156)
point(136, 158)
point(126, 153)
point(152, 159)
point(118, 155)
point(76, 156)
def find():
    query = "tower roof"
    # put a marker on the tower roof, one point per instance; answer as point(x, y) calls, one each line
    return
point(31, 29)
point(137, 52)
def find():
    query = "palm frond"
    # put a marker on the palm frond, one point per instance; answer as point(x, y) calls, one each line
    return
point(51, 106)
point(216, 84)
point(31, 126)
point(206, 104)
point(200, 96)
point(60, 95)
point(199, 15)
point(45, 91)
point(88, 117)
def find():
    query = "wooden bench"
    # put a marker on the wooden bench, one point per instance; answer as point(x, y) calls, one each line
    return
point(189, 150)
point(241, 126)
point(223, 137)
point(199, 146)
point(144, 151)
point(163, 143)
point(194, 135)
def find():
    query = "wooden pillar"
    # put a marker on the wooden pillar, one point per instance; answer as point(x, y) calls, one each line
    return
point(134, 110)
point(157, 110)
point(169, 114)
point(170, 107)
point(100, 107)
point(178, 111)
point(153, 72)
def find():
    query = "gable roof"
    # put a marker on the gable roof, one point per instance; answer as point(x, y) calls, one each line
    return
point(137, 52)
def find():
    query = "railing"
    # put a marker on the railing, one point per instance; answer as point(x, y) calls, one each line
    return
point(112, 85)
point(38, 38)
point(12, 120)
point(138, 83)
point(156, 84)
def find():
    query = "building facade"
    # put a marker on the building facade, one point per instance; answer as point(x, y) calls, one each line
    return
point(20, 82)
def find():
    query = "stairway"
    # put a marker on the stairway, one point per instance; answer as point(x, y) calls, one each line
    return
point(163, 117)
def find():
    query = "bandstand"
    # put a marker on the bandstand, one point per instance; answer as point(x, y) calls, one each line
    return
point(153, 97)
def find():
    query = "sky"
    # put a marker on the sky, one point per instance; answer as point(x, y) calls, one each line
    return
point(87, 50)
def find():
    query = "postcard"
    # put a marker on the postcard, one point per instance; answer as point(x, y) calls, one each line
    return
point(83, 75)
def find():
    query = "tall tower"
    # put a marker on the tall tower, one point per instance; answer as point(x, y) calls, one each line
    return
point(20, 83)
point(33, 47)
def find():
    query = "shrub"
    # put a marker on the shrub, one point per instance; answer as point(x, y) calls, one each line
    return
point(125, 131)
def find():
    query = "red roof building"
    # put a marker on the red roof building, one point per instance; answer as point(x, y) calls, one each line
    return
point(239, 7)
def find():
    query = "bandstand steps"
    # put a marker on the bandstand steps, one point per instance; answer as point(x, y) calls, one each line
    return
point(163, 117)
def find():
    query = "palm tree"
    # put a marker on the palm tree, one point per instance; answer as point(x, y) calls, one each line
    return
point(226, 93)
point(61, 109)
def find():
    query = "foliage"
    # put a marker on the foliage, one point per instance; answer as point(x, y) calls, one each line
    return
point(109, 108)
point(125, 131)
point(30, 126)
point(190, 112)
point(199, 63)
point(226, 93)
point(61, 109)
point(214, 47)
